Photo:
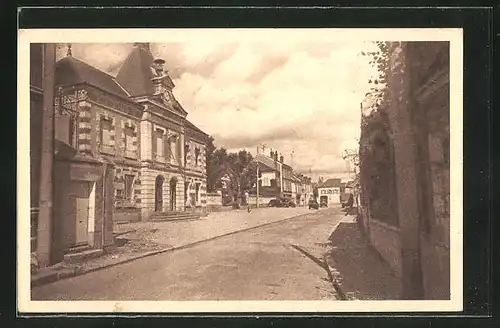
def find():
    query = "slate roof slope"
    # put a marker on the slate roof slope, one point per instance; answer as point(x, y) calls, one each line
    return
point(268, 162)
point(331, 183)
point(135, 74)
point(194, 127)
point(70, 70)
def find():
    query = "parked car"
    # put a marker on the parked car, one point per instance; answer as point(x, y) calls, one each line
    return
point(323, 203)
point(313, 204)
point(289, 203)
point(275, 203)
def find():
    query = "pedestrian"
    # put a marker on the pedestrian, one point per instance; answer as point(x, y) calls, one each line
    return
point(349, 205)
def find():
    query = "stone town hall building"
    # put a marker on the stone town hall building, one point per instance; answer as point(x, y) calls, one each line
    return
point(123, 148)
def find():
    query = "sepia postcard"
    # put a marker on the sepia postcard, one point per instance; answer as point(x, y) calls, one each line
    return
point(239, 170)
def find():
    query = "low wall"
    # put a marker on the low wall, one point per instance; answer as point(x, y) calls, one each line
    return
point(252, 200)
point(385, 239)
point(213, 202)
point(127, 215)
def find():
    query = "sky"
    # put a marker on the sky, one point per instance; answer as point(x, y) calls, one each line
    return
point(301, 99)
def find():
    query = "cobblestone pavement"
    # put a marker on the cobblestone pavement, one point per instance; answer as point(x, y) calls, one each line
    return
point(256, 264)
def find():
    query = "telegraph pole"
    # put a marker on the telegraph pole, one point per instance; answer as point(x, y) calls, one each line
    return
point(257, 172)
point(349, 156)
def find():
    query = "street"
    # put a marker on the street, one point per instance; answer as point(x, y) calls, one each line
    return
point(256, 264)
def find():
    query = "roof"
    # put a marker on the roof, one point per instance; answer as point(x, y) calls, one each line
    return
point(331, 183)
point(135, 74)
point(70, 70)
point(266, 168)
point(268, 161)
point(194, 127)
point(349, 184)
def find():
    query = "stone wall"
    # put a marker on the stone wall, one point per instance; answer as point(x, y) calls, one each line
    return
point(263, 201)
point(418, 116)
point(386, 240)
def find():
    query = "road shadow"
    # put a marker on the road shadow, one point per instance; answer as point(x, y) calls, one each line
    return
point(363, 274)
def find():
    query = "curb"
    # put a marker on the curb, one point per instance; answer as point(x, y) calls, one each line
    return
point(329, 270)
point(56, 276)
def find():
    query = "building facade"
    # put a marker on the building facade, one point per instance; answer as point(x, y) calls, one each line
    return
point(277, 180)
point(329, 191)
point(123, 149)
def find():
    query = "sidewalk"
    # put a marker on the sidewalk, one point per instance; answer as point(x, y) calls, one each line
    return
point(358, 269)
point(140, 239)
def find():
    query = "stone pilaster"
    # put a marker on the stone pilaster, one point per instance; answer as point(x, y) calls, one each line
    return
point(146, 139)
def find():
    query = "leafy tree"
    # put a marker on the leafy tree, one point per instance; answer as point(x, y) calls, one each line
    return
point(213, 168)
point(380, 60)
point(240, 168)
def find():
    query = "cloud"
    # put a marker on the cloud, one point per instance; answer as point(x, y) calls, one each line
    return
point(295, 96)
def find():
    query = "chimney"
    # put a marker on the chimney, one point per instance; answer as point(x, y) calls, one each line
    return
point(271, 153)
point(282, 159)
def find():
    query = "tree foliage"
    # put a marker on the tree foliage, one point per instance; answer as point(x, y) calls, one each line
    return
point(239, 168)
point(380, 60)
point(376, 176)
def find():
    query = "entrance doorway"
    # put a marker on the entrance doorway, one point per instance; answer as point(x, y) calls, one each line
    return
point(81, 192)
point(173, 192)
point(159, 193)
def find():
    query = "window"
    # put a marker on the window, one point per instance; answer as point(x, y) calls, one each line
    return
point(173, 149)
point(129, 186)
point(106, 136)
point(106, 132)
point(186, 151)
point(196, 156)
point(119, 194)
point(159, 144)
point(129, 143)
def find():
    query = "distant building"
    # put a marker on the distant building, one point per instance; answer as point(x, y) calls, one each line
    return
point(329, 191)
point(277, 180)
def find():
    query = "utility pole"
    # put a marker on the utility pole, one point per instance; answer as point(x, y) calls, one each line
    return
point(257, 186)
point(350, 155)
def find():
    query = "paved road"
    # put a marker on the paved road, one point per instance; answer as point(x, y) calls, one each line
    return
point(257, 264)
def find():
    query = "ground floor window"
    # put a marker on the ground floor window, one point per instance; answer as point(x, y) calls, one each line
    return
point(129, 187)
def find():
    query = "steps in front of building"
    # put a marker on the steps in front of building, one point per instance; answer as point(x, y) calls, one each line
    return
point(174, 216)
point(82, 255)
